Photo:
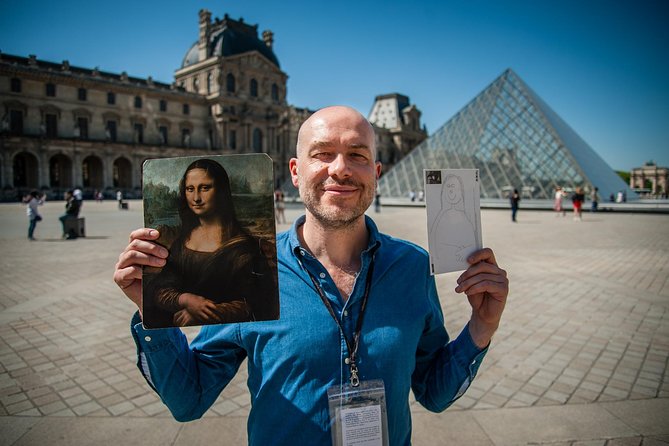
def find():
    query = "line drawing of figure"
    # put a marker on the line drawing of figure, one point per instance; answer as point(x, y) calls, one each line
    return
point(452, 220)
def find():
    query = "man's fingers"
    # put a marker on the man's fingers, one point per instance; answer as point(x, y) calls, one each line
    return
point(138, 258)
point(144, 234)
point(147, 247)
point(497, 290)
point(482, 255)
point(481, 268)
point(124, 277)
point(481, 282)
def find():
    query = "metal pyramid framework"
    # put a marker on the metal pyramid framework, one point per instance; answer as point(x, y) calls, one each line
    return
point(516, 141)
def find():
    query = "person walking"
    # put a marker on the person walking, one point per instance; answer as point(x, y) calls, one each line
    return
point(594, 198)
point(280, 205)
point(514, 198)
point(33, 201)
point(557, 203)
point(577, 200)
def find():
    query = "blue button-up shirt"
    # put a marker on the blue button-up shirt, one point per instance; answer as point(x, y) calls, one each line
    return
point(294, 360)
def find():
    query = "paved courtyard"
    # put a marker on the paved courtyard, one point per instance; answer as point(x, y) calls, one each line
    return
point(581, 356)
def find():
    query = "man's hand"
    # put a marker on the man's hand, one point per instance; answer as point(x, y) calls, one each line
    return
point(140, 251)
point(486, 287)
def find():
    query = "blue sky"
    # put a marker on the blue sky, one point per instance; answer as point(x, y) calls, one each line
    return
point(603, 66)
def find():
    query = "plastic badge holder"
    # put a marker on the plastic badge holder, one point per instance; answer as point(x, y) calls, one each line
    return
point(358, 414)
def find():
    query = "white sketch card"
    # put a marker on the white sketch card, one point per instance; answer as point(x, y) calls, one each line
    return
point(452, 198)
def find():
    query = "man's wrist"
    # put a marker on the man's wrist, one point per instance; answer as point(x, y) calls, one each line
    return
point(481, 333)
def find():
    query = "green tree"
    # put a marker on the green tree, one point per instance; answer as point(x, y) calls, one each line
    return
point(624, 175)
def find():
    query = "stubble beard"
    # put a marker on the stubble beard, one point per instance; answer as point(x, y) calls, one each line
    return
point(333, 216)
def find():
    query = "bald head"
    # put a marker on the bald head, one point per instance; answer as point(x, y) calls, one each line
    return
point(333, 121)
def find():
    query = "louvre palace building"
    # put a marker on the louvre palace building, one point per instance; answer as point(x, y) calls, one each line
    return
point(63, 126)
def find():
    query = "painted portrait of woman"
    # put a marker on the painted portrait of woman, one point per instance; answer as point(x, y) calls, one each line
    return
point(216, 271)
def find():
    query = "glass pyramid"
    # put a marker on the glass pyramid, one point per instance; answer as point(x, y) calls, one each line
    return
point(516, 141)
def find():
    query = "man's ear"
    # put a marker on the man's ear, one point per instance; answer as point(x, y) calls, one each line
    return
point(378, 169)
point(292, 165)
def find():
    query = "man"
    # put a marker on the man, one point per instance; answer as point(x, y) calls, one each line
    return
point(72, 206)
point(334, 268)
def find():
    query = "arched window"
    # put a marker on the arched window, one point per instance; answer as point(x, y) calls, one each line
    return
point(230, 83)
point(257, 140)
point(138, 102)
point(275, 92)
point(253, 88)
point(196, 85)
point(210, 78)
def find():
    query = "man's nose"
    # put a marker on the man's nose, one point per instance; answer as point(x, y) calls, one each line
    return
point(339, 167)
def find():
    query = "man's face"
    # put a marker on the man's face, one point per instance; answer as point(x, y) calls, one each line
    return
point(200, 192)
point(336, 169)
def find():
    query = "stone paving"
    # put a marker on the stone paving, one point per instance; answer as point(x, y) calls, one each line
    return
point(586, 326)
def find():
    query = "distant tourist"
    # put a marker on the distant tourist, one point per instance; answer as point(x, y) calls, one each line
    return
point(577, 200)
point(119, 198)
point(514, 198)
point(377, 202)
point(72, 207)
point(594, 197)
point(33, 200)
point(619, 198)
point(279, 205)
point(557, 204)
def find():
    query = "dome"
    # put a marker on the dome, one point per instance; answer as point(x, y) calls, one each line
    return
point(229, 37)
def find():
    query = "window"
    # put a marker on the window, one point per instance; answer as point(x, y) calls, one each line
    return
point(185, 137)
point(257, 140)
point(51, 90)
point(82, 122)
point(163, 105)
point(16, 85)
point(233, 139)
point(186, 109)
point(81, 94)
point(163, 134)
point(253, 88)
point(275, 92)
point(196, 85)
point(110, 132)
point(139, 133)
point(209, 82)
point(138, 102)
point(230, 83)
point(111, 98)
point(51, 123)
point(16, 122)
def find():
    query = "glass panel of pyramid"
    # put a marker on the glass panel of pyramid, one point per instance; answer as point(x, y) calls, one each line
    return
point(516, 141)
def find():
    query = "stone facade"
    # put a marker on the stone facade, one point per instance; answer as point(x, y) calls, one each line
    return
point(63, 126)
point(397, 126)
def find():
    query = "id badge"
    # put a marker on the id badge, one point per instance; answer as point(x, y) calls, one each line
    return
point(358, 414)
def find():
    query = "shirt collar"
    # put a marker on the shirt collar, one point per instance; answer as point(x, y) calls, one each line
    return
point(373, 244)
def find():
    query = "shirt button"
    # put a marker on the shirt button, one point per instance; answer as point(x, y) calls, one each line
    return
point(322, 275)
point(147, 338)
point(345, 313)
point(302, 252)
